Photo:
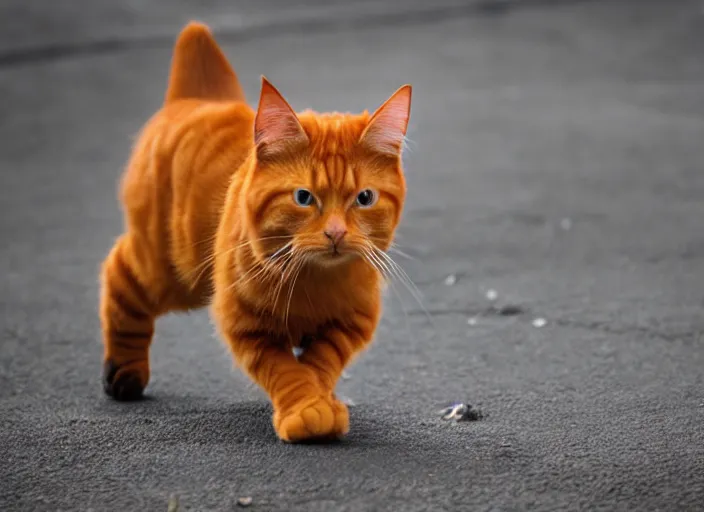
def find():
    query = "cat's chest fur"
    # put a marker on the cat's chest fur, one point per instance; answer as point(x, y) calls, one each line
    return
point(316, 299)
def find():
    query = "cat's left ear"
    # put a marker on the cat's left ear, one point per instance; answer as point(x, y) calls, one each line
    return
point(387, 127)
point(276, 127)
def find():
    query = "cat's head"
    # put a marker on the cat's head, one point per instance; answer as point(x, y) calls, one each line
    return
point(325, 187)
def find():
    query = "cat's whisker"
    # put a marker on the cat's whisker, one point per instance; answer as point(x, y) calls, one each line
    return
point(368, 256)
point(389, 279)
point(388, 270)
point(301, 264)
point(282, 249)
point(408, 283)
point(398, 251)
point(202, 267)
point(269, 265)
point(285, 272)
point(281, 265)
point(205, 240)
point(291, 274)
point(274, 262)
point(397, 271)
point(383, 268)
point(393, 247)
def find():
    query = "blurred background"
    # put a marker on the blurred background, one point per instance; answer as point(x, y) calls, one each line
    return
point(553, 224)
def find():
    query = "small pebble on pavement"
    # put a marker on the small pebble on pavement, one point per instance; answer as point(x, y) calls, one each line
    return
point(461, 412)
point(451, 280)
point(244, 501)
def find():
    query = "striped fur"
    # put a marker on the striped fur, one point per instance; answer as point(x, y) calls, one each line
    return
point(210, 219)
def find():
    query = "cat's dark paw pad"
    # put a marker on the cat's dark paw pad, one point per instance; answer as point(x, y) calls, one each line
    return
point(123, 383)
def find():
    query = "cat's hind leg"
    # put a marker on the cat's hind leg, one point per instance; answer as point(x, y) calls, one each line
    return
point(127, 315)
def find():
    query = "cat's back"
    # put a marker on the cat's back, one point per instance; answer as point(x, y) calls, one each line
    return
point(189, 137)
point(178, 174)
point(187, 152)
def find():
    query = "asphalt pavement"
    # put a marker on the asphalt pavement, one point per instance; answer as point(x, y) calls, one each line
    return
point(554, 226)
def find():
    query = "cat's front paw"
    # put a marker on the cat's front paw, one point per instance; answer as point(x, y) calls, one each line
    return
point(125, 382)
point(318, 418)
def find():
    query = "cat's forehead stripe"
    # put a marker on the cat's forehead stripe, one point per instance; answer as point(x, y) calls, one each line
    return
point(336, 166)
point(333, 133)
point(333, 173)
point(321, 178)
point(334, 138)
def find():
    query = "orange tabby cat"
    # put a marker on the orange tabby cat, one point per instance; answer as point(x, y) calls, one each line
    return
point(280, 221)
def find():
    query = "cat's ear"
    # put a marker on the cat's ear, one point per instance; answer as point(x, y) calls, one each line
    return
point(276, 127)
point(386, 130)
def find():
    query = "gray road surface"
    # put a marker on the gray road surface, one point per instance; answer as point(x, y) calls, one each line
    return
point(556, 158)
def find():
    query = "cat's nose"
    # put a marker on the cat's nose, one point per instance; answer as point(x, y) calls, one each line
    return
point(335, 231)
point(336, 235)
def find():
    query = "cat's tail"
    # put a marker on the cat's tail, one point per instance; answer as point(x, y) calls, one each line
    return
point(199, 68)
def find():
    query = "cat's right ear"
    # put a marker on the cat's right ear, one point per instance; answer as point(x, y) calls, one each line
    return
point(276, 126)
point(386, 131)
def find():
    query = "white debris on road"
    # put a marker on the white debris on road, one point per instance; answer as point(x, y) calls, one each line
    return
point(346, 400)
point(539, 322)
point(492, 295)
point(450, 280)
point(173, 504)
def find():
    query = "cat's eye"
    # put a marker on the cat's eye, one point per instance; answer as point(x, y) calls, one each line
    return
point(303, 197)
point(366, 198)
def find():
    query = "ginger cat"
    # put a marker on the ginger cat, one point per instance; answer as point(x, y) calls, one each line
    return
point(280, 221)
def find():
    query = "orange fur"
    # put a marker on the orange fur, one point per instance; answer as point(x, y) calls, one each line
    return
point(211, 218)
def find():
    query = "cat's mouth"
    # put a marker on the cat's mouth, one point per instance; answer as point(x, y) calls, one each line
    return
point(334, 256)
